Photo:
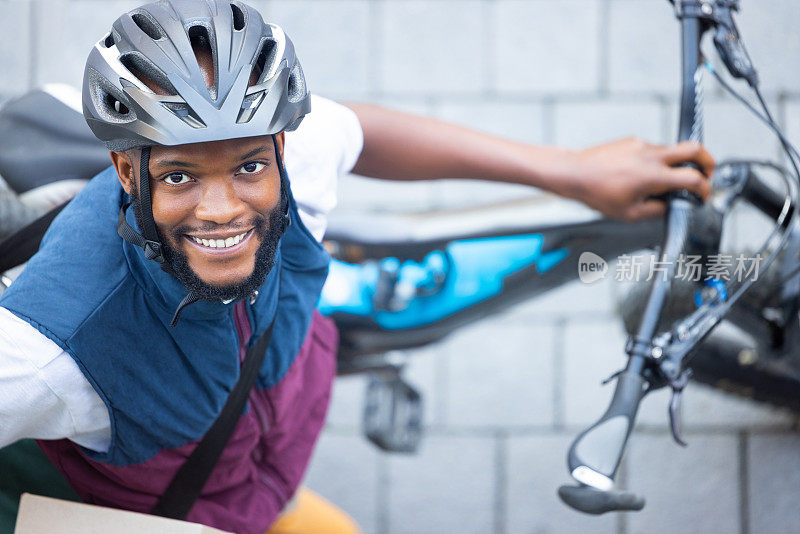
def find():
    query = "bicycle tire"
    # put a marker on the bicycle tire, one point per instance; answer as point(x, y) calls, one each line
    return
point(722, 361)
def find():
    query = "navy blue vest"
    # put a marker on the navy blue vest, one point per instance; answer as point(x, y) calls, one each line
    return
point(101, 301)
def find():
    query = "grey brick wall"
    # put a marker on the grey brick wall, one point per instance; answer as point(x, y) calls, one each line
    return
point(505, 397)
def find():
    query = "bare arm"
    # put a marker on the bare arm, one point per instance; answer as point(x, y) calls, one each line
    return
point(616, 178)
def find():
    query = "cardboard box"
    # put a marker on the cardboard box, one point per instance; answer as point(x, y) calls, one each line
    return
point(44, 515)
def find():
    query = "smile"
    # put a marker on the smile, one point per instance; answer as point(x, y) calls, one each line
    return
point(220, 245)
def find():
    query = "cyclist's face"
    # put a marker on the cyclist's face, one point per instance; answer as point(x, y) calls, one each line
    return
point(211, 202)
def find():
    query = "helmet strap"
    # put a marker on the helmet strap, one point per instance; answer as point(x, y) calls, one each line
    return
point(287, 219)
point(148, 239)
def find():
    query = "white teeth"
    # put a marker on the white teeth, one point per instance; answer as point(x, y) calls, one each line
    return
point(220, 243)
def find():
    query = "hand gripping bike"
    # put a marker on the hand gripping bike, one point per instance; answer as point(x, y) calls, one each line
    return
point(659, 357)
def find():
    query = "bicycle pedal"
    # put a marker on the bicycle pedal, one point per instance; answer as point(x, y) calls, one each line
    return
point(393, 414)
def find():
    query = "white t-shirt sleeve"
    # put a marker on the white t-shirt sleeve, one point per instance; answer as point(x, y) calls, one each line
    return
point(43, 393)
point(325, 147)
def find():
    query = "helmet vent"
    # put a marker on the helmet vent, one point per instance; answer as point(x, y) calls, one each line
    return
point(118, 106)
point(296, 86)
point(146, 72)
point(265, 59)
point(249, 106)
point(203, 51)
point(108, 42)
point(238, 17)
point(148, 25)
point(185, 113)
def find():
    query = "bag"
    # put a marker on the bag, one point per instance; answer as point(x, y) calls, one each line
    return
point(185, 488)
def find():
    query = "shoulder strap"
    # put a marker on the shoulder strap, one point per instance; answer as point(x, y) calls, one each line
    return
point(185, 488)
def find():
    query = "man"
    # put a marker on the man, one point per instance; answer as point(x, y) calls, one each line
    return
point(121, 340)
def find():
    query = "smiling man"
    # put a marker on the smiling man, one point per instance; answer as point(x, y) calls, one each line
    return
point(219, 209)
point(124, 336)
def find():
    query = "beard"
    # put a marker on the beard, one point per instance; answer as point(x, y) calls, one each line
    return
point(269, 229)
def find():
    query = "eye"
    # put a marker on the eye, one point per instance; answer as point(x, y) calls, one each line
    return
point(253, 167)
point(177, 178)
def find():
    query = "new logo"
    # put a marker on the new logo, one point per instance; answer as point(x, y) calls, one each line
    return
point(591, 267)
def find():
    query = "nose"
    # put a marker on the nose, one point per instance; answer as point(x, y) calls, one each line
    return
point(219, 202)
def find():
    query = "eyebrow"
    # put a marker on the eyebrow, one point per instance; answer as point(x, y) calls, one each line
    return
point(253, 153)
point(174, 163)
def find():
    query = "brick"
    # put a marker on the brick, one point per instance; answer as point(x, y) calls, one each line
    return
point(500, 375)
point(347, 402)
point(591, 301)
point(592, 352)
point(694, 489)
point(733, 132)
point(332, 42)
point(546, 47)
point(520, 121)
point(344, 470)
point(771, 36)
point(536, 468)
point(15, 61)
point(774, 476)
point(432, 47)
point(644, 47)
point(66, 32)
point(705, 406)
point(447, 487)
point(583, 124)
point(465, 194)
point(368, 194)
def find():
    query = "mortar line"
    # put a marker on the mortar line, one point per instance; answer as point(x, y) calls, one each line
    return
point(604, 48)
point(32, 44)
point(488, 13)
point(744, 484)
point(375, 17)
point(500, 504)
point(382, 525)
point(559, 338)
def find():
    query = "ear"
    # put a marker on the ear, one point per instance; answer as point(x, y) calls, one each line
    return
point(281, 139)
point(122, 163)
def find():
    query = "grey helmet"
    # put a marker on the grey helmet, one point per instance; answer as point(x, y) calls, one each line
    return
point(155, 43)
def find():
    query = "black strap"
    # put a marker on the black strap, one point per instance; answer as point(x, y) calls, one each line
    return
point(146, 204)
point(152, 249)
point(185, 488)
point(21, 246)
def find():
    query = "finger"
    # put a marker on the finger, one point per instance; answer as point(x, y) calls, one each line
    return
point(677, 178)
point(689, 151)
point(647, 209)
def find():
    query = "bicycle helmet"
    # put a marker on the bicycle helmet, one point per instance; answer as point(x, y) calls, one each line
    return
point(156, 43)
point(143, 85)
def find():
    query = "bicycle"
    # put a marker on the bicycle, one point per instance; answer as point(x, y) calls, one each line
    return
point(401, 291)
